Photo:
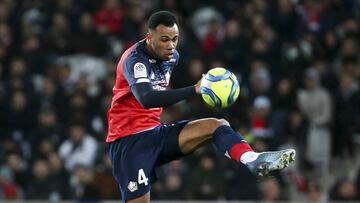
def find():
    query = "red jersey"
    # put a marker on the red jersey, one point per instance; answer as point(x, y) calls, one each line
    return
point(126, 115)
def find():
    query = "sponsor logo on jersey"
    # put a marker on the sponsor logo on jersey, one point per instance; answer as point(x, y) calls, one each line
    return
point(160, 84)
point(132, 186)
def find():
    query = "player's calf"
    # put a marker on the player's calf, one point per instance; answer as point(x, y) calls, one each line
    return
point(233, 145)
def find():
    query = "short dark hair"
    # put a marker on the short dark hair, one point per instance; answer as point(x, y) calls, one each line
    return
point(161, 18)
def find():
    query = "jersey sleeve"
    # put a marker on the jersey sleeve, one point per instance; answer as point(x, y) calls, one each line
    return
point(136, 70)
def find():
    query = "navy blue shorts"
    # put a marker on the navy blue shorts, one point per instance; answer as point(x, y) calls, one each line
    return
point(135, 158)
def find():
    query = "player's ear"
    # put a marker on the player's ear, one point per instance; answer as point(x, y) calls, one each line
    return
point(148, 36)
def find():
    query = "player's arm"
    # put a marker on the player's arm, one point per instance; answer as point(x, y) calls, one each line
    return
point(137, 74)
point(150, 98)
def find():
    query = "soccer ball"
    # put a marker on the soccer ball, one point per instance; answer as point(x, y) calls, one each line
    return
point(219, 87)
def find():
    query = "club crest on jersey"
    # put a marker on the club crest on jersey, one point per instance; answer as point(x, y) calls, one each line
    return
point(140, 70)
point(132, 186)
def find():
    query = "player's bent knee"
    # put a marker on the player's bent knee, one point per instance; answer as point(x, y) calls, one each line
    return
point(215, 123)
point(223, 122)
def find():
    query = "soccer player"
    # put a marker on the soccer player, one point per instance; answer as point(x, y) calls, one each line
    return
point(139, 143)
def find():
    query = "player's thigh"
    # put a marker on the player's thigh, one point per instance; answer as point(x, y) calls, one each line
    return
point(198, 132)
point(170, 149)
point(133, 161)
point(143, 199)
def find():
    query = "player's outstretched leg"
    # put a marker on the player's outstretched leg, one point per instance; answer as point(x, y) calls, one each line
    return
point(233, 145)
point(270, 161)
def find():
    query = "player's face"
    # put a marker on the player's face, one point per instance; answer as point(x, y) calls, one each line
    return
point(163, 41)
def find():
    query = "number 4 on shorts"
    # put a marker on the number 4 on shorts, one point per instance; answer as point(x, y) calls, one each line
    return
point(142, 177)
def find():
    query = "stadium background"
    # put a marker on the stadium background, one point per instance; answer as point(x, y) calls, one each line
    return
point(298, 62)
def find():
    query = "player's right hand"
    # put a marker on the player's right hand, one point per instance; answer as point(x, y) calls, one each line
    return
point(197, 86)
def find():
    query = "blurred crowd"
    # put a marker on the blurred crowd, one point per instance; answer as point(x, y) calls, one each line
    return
point(298, 63)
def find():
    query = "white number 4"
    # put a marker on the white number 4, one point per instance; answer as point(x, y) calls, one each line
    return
point(142, 177)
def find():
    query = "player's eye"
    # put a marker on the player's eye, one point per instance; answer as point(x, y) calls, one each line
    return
point(164, 39)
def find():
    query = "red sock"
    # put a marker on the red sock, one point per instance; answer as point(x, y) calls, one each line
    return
point(239, 149)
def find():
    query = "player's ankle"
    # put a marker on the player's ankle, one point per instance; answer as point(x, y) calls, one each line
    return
point(248, 157)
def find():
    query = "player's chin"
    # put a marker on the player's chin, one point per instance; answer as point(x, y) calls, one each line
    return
point(168, 56)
